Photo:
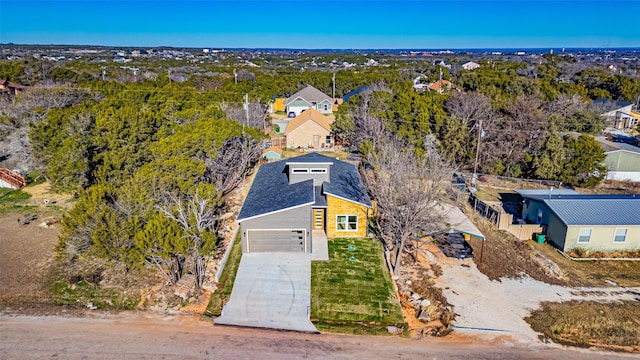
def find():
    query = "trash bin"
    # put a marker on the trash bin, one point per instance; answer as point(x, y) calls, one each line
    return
point(540, 238)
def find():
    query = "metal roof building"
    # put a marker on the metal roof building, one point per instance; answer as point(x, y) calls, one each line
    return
point(596, 222)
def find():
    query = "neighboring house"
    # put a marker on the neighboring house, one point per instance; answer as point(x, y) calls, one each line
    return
point(601, 222)
point(291, 198)
point(272, 153)
point(309, 97)
point(418, 85)
point(617, 113)
point(310, 130)
point(470, 65)
point(440, 86)
point(442, 63)
point(623, 165)
point(10, 88)
point(277, 105)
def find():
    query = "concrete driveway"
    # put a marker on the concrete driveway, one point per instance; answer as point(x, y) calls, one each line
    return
point(271, 290)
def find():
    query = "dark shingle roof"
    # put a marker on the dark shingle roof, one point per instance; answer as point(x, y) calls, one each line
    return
point(271, 191)
point(587, 209)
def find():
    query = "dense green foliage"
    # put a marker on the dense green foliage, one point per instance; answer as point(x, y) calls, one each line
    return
point(127, 142)
point(136, 157)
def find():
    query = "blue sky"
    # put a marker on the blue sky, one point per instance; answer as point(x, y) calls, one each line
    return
point(345, 24)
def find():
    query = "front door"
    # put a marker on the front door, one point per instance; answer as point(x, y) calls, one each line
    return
point(318, 219)
point(316, 141)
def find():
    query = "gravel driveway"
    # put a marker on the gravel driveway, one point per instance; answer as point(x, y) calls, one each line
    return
point(492, 308)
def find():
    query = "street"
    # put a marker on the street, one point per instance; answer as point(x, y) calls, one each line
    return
point(145, 336)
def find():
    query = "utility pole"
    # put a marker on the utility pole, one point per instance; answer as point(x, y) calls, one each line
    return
point(246, 110)
point(475, 165)
point(334, 86)
point(235, 76)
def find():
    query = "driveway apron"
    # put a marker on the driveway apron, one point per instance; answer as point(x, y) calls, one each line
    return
point(271, 290)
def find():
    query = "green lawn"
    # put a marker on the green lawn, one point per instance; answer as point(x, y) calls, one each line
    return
point(352, 292)
point(223, 293)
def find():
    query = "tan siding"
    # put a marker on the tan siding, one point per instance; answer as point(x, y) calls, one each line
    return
point(303, 135)
point(337, 206)
point(602, 238)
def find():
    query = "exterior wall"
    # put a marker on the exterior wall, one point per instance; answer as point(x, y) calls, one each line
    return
point(337, 206)
point(317, 178)
point(278, 104)
point(624, 175)
point(320, 107)
point(297, 106)
point(556, 232)
point(530, 212)
point(297, 218)
point(602, 238)
point(303, 135)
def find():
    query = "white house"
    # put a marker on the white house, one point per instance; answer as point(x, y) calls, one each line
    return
point(617, 113)
point(309, 97)
point(470, 65)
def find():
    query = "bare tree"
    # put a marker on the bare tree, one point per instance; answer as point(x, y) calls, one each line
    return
point(235, 160)
point(257, 114)
point(469, 107)
point(368, 126)
point(408, 189)
point(196, 216)
point(566, 105)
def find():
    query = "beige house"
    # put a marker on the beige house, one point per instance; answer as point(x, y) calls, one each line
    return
point(310, 130)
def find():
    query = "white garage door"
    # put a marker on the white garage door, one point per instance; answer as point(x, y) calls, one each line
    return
point(276, 240)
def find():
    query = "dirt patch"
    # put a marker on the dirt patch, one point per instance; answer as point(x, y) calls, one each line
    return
point(501, 255)
point(42, 196)
point(609, 326)
point(26, 255)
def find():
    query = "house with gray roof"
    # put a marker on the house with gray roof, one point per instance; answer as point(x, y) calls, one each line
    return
point(593, 222)
point(309, 97)
point(291, 199)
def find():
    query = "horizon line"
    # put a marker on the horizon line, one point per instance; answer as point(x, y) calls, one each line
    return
point(332, 49)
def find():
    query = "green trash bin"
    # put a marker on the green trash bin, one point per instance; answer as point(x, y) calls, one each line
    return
point(540, 238)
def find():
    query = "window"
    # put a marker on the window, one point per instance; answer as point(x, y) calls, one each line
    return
point(585, 236)
point(326, 107)
point(621, 235)
point(318, 171)
point(300, 171)
point(347, 222)
point(328, 140)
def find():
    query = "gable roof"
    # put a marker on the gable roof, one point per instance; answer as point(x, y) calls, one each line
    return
point(271, 192)
point(310, 114)
point(274, 149)
point(310, 94)
point(440, 84)
point(606, 105)
point(593, 209)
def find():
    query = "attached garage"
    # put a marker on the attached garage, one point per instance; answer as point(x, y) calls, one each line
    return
point(291, 240)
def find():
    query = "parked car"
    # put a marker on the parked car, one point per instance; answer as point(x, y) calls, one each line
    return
point(454, 245)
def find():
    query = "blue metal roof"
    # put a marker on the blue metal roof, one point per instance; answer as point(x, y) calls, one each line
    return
point(590, 209)
point(546, 192)
point(271, 191)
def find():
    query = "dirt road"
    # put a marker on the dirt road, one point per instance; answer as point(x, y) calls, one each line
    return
point(145, 336)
